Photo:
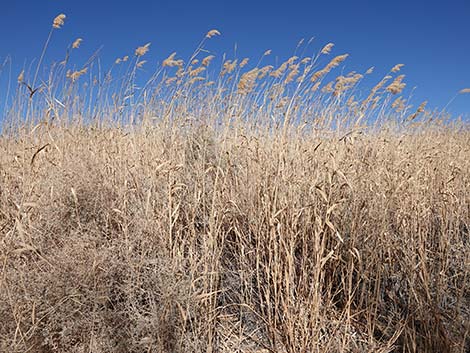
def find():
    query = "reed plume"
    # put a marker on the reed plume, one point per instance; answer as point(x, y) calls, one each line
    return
point(76, 43)
point(59, 21)
point(212, 33)
point(141, 51)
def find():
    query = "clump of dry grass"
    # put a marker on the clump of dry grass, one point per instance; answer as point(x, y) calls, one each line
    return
point(251, 210)
point(165, 240)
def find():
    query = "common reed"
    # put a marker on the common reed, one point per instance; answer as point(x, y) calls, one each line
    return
point(258, 207)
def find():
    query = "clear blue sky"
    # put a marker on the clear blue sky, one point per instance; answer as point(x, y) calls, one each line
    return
point(432, 38)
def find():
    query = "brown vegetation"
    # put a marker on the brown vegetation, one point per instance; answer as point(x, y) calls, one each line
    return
point(257, 213)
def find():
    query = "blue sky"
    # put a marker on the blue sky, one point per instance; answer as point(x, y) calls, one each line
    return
point(432, 38)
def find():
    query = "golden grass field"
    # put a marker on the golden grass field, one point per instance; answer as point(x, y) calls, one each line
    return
point(251, 208)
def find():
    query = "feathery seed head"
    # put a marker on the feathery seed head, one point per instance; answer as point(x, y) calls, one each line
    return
point(196, 79)
point(77, 43)
point(141, 51)
point(264, 71)
point(170, 80)
point(228, 67)
point(281, 69)
point(343, 83)
point(327, 48)
point(195, 72)
point(328, 88)
point(399, 104)
point(212, 33)
point(315, 86)
point(59, 21)
point(292, 59)
point(397, 85)
point(418, 111)
point(397, 67)
point(123, 59)
point(247, 81)
point(421, 107)
point(244, 62)
point(380, 84)
point(170, 61)
point(21, 77)
point(338, 60)
point(332, 64)
point(294, 71)
point(75, 75)
point(207, 60)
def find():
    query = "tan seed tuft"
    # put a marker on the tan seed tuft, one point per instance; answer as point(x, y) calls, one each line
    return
point(212, 33)
point(327, 48)
point(397, 67)
point(59, 21)
point(141, 51)
point(207, 60)
point(397, 85)
point(77, 43)
point(21, 77)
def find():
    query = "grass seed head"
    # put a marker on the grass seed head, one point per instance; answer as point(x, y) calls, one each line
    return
point(397, 85)
point(21, 77)
point(75, 75)
point(397, 67)
point(141, 51)
point(327, 48)
point(212, 33)
point(59, 21)
point(207, 60)
point(76, 43)
point(244, 62)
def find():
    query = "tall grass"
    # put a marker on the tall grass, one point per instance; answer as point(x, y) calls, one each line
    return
point(248, 209)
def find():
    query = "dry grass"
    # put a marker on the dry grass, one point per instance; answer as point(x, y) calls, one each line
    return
point(258, 213)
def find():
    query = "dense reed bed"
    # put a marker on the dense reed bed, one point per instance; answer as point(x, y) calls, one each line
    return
point(256, 208)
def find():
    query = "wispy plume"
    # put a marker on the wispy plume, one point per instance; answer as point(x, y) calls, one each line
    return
point(212, 33)
point(76, 43)
point(397, 85)
point(327, 48)
point(397, 67)
point(207, 60)
point(59, 21)
point(21, 77)
point(141, 51)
